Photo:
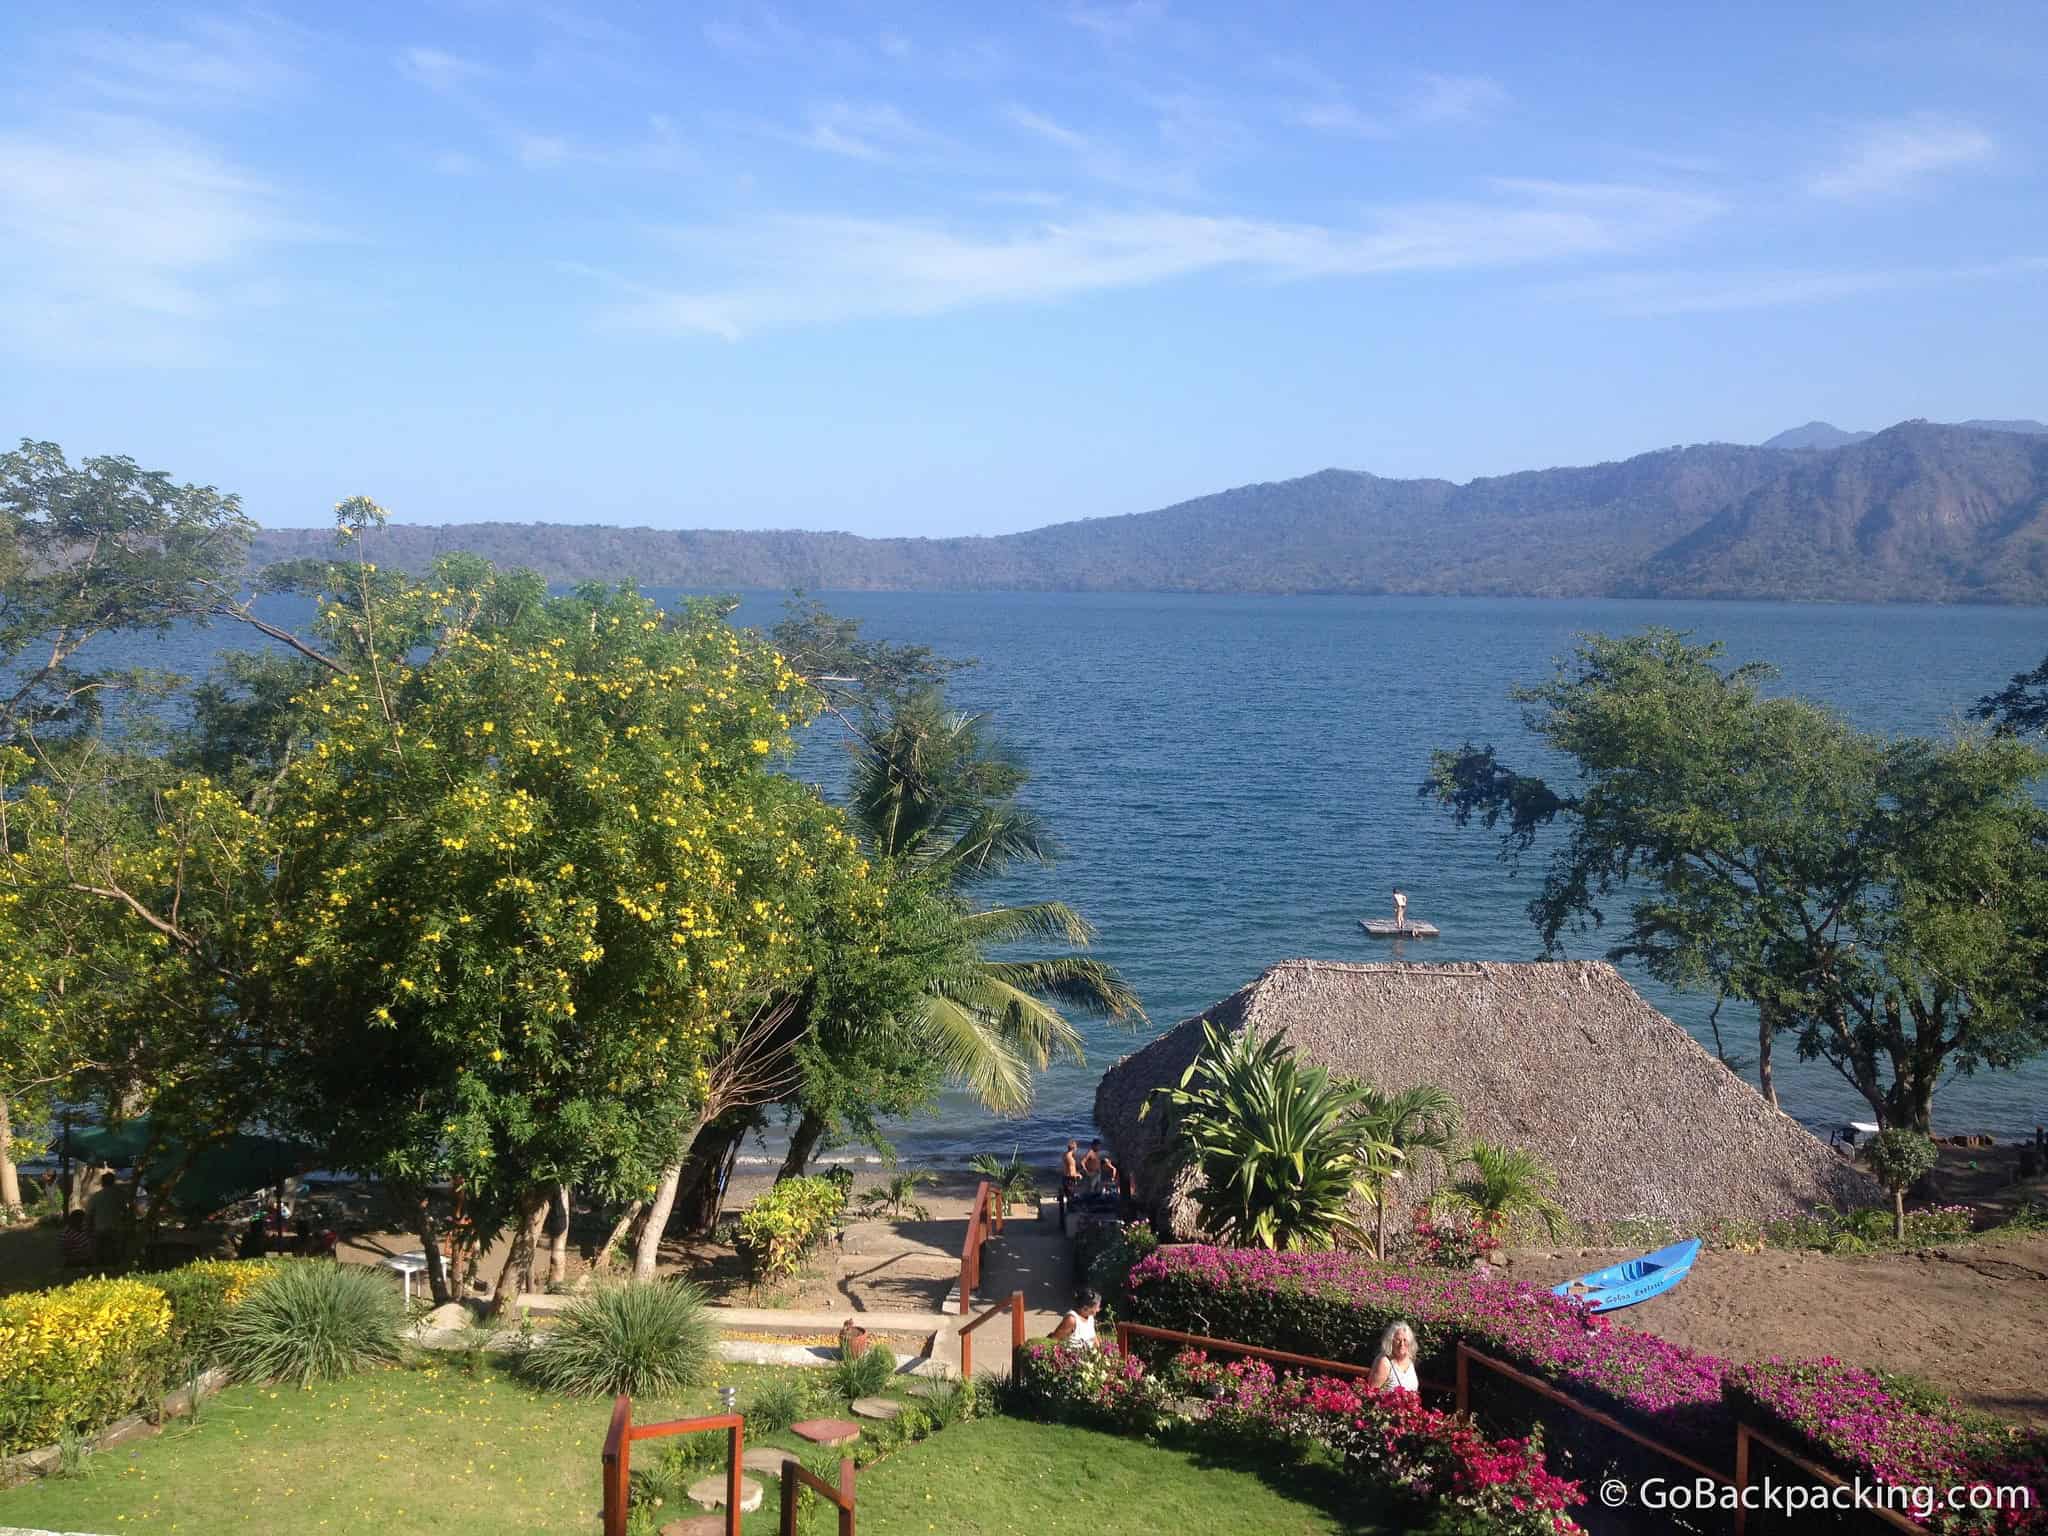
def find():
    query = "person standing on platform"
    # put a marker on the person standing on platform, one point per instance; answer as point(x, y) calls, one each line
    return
point(1400, 908)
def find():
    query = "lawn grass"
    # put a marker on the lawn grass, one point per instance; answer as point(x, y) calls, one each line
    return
point(1013, 1477)
point(436, 1449)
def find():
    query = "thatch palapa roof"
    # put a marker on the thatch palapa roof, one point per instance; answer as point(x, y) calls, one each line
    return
point(1565, 1059)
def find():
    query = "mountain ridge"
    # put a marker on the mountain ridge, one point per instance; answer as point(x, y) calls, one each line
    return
point(1918, 512)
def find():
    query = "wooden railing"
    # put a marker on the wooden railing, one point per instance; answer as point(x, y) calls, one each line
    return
point(796, 1478)
point(985, 1219)
point(1015, 1307)
point(618, 1461)
point(1125, 1332)
point(1744, 1436)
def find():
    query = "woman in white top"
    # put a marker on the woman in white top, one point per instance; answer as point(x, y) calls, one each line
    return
point(1395, 1368)
point(1078, 1326)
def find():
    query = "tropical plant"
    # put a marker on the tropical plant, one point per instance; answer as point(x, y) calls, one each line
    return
point(1416, 1120)
point(1282, 1150)
point(1899, 1155)
point(1505, 1186)
point(641, 1337)
point(785, 1222)
point(1012, 1182)
point(310, 1323)
point(896, 1196)
point(935, 797)
point(865, 1374)
point(779, 1403)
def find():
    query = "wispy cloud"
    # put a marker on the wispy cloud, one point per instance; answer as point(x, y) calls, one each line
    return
point(439, 70)
point(1150, 175)
point(1695, 293)
point(207, 61)
point(1433, 101)
point(122, 242)
point(462, 82)
point(1116, 23)
point(766, 34)
point(859, 130)
point(795, 271)
point(1891, 158)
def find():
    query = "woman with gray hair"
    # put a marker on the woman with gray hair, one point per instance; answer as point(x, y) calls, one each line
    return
point(1394, 1371)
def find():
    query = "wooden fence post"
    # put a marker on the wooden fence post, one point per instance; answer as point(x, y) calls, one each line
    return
point(1464, 1380)
point(846, 1496)
point(1741, 1477)
point(618, 1459)
point(792, 1494)
point(1016, 1330)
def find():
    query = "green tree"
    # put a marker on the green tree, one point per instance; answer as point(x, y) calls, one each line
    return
point(1504, 1186)
point(1899, 1156)
point(1414, 1122)
point(1282, 1150)
point(1882, 900)
point(2020, 708)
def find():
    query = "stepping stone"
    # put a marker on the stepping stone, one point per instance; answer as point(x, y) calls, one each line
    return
point(930, 1388)
point(710, 1492)
point(767, 1458)
point(696, 1525)
point(826, 1431)
point(877, 1407)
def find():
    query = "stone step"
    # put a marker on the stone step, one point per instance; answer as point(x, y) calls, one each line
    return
point(826, 1431)
point(710, 1492)
point(876, 1407)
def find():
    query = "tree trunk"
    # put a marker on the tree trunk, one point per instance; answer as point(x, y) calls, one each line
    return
point(607, 1256)
point(1899, 1215)
point(803, 1141)
point(430, 1245)
point(558, 1249)
point(1766, 1031)
point(10, 1176)
point(648, 1250)
point(516, 1278)
point(707, 1169)
point(1379, 1204)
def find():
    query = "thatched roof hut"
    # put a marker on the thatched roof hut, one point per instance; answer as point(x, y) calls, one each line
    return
point(1565, 1059)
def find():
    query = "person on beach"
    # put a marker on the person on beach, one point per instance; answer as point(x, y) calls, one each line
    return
point(1394, 1371)
point(1100, 1170)
point(1070, 1170)
point(1077, 1327)
point(1400, 908)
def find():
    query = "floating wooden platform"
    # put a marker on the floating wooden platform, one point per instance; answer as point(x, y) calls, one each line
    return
point(1387, 928)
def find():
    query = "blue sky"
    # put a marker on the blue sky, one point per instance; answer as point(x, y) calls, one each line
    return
point(938, 269)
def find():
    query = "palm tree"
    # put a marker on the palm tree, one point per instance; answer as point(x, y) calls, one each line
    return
point(1281, 1148)
point(1419, 1119)
point(1505, 1185)
point(935, 797)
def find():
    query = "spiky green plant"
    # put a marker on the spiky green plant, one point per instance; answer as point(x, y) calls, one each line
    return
point(776, 1405)
point(1283, 1151)
point(645, 1338)
point(1416, 1120)
point(1503, 1187)
point(312, 1322)
point(866, 1374)
point(896, 1196)
point(1013, 1183)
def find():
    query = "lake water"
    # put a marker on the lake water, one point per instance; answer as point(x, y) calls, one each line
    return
point(1233, 781)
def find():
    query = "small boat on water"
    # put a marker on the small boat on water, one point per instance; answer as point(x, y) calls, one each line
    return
point(1632, 1280)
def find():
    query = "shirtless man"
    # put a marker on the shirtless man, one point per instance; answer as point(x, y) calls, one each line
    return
point(1096, 1165)
point(1400, 909)
point(1070, 1170)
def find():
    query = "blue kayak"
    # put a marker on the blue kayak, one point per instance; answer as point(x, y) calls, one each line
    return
point(1632, 1280)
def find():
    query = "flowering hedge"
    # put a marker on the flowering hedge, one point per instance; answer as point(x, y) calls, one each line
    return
point(1500, 1487)
point(201, 1297)
point(1335, 1305)
point(76, 1356)
point(1868, 1426)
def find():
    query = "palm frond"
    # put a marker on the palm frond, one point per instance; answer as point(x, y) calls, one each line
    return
point(1028, 1026)
point(972, 1051)
point(1074, 981)
point(1040, 920)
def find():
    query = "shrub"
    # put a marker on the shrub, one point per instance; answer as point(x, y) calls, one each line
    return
point(1068, 1384)
point(202, 1297)
point(1011, 1182)
point(1899, 1156)
point(74, 1358)
point(643, 1337)
point(865, 1374)
point(777, 1232)
point(1109, 1255)
point(776, 1406)
point(312, 1322)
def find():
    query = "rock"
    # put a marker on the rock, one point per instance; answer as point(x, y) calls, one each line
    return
point(696, 1525)
point(767, 1458)
point(1497, 1259)
point(710, 1492)
point(876, 1407)
point(450, 1315)
point(826, 1431)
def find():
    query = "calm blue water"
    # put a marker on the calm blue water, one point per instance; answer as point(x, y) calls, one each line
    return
point(1233, 780)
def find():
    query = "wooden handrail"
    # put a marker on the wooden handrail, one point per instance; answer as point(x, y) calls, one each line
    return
point(981, 1221)
point(618, 1459)
point(1744, 1435)
point(1015, 1307)
point(796, 1477)
point(1467, 1355)
point(1125, 1332)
